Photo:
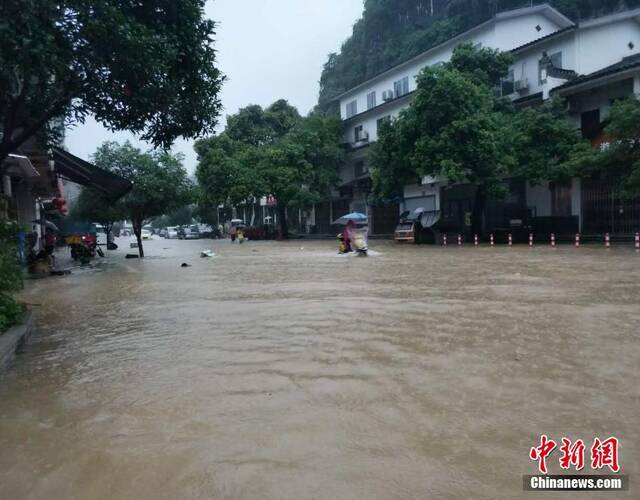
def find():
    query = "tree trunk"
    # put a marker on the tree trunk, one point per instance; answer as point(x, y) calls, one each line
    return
point(477, 215)
point(282, 219)
point(107, 228)
point(137, 230)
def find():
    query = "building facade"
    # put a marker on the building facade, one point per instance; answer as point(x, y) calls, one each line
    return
point(590, 64)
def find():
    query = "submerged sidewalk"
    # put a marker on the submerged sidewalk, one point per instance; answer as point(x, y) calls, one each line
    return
point(13, 339)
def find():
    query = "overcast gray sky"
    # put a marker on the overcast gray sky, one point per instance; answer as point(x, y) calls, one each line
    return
point(268, 49)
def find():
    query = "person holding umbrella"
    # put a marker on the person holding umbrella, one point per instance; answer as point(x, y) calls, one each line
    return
point(349, 235)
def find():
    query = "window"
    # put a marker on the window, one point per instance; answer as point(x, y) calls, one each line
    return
point(358, 132)
point(371, 100)
point(382, 121)
point(556, 61)
point(352, 109)
point(360, 168)
point(401, 87)
point(507, 84)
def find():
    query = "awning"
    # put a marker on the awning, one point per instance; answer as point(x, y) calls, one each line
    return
point(626, 68)
point(82, 172)
point(21, 164)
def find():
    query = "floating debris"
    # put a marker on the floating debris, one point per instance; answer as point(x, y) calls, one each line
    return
point(207, 253)
point(132, 256)
point(184, 264)
point(60, 272)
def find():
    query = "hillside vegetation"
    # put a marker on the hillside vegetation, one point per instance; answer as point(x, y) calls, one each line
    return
point(392, 31)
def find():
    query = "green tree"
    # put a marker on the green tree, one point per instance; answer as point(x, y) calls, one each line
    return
point(455, 127)
point(619, 160)
point(94, 206)
point(301, 168)
point(271, 152)
point(391, 170)
point(181, 216)
point(221, 173)
point(10, 276)
point(160, 182)
point(147, 67)
point(548, 146)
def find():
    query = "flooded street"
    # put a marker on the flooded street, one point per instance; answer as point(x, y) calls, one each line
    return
point(285, 371)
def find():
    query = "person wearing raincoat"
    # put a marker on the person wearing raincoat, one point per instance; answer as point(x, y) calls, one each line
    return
point(349, 235)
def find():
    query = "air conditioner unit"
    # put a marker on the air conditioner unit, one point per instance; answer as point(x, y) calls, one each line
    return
point(387, 95)
point(522, 85)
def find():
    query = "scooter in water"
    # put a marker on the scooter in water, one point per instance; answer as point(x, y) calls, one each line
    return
point(360, 244)
point(357, 245)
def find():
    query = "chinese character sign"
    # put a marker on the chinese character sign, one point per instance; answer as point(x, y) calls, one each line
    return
point(572, 453)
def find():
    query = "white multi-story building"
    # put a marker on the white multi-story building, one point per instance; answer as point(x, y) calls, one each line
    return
point(590, 63)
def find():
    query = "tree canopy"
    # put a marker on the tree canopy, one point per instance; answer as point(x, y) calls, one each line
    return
point(619, 159)
point(147, 67)
point(160, 182)
point(272, 151)
point(10, 276)
point(548, 147)
point(94, 206)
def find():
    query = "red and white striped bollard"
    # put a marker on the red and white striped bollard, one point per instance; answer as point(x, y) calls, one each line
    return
point(444, 240)
point(459, 240)
point(577, 240)
point(607, 240)
point(510, 240)
point(492, 240)
point(476, 240)
point(637, 242)
point(530, 240)
point(553, 240)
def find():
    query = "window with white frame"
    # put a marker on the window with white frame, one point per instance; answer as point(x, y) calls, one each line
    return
point(371, 100)
point(401, 87)
point(352, 109)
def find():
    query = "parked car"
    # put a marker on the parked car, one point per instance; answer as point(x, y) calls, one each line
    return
point(206, 231)
point(418, 226)
point(146, 234)
point(163, 232)
point(189, 233)
point(172, 233)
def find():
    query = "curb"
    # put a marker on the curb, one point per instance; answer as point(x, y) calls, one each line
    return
point(13, 339)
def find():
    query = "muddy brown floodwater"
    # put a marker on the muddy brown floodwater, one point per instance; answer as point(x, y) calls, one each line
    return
point(284, 371)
